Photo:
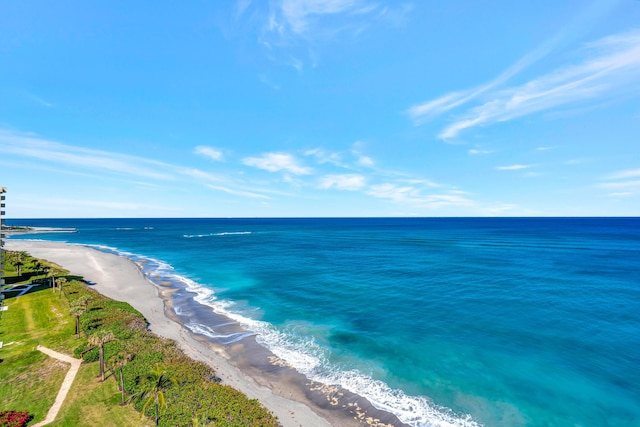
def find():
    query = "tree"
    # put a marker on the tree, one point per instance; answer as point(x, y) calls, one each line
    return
point(99, 339)
point(37, 266)
point(83, 300)
point(78, 310)
point(118, 360)
point(61, 281)
point(153, 387)
point(19, 265)
point(19, 258)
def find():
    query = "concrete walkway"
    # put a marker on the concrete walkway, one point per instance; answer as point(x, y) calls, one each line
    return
point(64, 388)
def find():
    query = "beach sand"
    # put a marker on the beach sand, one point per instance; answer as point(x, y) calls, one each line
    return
point(288, 394)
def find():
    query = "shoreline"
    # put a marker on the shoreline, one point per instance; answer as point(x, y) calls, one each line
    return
point(243, 364)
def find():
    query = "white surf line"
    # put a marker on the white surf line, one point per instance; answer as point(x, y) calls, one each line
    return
point(64, 388)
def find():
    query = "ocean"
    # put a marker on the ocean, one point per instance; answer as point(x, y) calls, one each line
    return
point(441, 321)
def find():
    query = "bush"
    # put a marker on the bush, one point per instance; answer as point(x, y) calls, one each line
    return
point(14, 419)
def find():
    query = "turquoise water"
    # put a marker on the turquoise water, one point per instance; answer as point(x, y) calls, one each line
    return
point(530, 321)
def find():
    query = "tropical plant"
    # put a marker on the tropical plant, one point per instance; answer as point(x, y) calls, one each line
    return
point(83, 300)
point(60, 281)
point(19, 265)
point(99, 339)
point(78, 310)
point(37, 266)
point(152, 388)
point(17, 258)
point(118, 361)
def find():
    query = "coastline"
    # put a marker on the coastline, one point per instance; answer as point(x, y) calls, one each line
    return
point(243, 364)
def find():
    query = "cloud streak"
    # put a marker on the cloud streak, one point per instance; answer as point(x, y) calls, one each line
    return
point(277, 162)
point(299, 14)
point(512, 167)
point(238, 192)
point(103, 164)
point(633, 173)
point(210, 152)
point(624, 183)
point(53, 152)
point(349, 182)
point(611, 65)
point(407, 194)
point(294, 32)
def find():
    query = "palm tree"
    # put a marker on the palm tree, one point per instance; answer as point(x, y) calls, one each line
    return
point(60, 281)
point(19, 265)
point(118, 360)
point(99, 339)
point(153, 387)
point(78, 310)
point(37, 266)
point(84, 299)
point(19, 256)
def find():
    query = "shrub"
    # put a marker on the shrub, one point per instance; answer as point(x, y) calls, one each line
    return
point(14, 418)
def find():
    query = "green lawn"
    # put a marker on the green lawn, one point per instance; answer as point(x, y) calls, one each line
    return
point(30, 380)
point(98, 404)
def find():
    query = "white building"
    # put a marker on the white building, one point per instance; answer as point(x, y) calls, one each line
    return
point(3, 190)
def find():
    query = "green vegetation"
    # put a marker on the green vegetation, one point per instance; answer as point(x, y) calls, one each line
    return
point(152, 388)
point(15, 228)
point(116, 334)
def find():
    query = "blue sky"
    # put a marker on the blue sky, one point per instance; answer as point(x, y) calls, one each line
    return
point(320, 108)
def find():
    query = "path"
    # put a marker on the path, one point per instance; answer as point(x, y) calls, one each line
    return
point(64, 388)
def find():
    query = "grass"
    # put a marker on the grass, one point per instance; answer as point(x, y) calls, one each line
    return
point(97, 405)
point(30, 380)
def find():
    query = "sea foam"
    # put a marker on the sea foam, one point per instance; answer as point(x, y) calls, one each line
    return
point(223, 233)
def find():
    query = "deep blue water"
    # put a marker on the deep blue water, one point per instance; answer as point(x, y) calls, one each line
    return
point(511, 321)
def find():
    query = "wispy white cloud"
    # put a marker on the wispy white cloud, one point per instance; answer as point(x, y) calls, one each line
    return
point(201, 175)
point(578, 161)
point(276, 162)
point(476, 151)
point(294, 32)
point(361, 159)
point(354, 159)
point(422, 182)
point(611, 65)
point(424, 112)
point(632, 173)
point(108, 205)
point(210, 152)
point(322, 156)
point(235, 192)
point(241, 6)
point(40, 101)
point(407, 194)
point(37, 148)
point(635, 184)
point(624, 183)
point(621, 194)
point(349, 182)
point(96, 164)
point(512, 167)
point(300, 16)
point(366, 161)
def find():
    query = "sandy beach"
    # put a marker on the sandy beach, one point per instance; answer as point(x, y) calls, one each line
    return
point(283, 391)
